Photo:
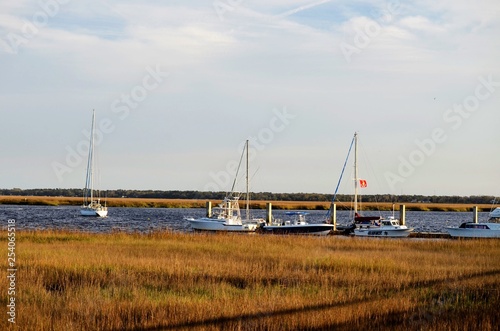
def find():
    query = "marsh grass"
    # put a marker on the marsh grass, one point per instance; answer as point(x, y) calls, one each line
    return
point(166, 280)
point(255, 204)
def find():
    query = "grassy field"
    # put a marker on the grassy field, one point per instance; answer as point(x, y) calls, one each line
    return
point(192, 203)
point(180, 281)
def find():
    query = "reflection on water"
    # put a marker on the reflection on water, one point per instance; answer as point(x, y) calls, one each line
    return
point(153, 219)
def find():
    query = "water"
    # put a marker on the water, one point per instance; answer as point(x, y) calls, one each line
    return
point(157, 219)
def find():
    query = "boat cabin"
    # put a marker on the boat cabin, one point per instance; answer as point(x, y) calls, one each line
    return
point(474, 226)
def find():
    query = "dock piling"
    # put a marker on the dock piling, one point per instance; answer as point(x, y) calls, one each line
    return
point(269, 213)
point(474, 214)
point(402, 214)
point(333, 217)
point(209, 208)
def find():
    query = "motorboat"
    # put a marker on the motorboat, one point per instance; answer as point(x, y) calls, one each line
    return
point(488, 229)
point(296, 225)
point(385, 227)
point(475, 230)
point(225, 217)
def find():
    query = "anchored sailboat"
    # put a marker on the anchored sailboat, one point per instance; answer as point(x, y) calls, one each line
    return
point(91, 203)
point(370, 226)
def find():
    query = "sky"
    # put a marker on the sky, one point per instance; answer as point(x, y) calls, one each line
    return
point(179, 86)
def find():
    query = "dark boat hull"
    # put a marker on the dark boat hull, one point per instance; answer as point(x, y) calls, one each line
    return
point(313, 229)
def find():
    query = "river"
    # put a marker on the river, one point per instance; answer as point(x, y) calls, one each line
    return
point(157, 219)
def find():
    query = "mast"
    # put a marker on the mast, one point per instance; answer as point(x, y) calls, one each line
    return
point(248, 194)
point(89, 180)
point(92, 157)
point(356, 180)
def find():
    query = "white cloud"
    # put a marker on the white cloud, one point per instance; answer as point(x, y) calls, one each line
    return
point(226, 76)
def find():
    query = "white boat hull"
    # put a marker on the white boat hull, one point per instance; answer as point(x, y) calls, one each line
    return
point(476, 230)
point(381, 232)
point(214, 224)
point(387, 227)
point(102, 212)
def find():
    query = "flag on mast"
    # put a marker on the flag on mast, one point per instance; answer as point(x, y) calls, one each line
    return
point(362, 183)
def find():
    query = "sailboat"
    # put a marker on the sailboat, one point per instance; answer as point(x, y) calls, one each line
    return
point(92, 203)
point(227, 216)
point(369, 226)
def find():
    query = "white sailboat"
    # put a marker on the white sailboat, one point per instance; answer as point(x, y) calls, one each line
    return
point(92, 203)
point(227, 216)
point(371, 226)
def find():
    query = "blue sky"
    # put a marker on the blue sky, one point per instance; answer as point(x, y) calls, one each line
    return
point(179, 86)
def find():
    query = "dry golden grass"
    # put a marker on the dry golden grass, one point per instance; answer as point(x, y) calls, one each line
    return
point(254, 204)
point(164, 280)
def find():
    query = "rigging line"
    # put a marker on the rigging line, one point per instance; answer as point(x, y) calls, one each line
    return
point(369, 166)
point(251, 179)
point(493, 203)
point(340, 179)
point(237, 170)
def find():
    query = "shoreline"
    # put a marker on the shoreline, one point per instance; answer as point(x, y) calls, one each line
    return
point(256, 204)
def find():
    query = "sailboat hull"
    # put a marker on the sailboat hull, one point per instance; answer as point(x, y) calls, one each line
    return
point(102, 212)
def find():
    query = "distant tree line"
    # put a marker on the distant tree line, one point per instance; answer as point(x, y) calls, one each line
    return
point(266, 196)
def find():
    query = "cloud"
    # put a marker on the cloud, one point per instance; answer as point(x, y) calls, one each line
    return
point(227, 75)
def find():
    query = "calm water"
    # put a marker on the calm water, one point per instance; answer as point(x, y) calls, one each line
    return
point(151, 219)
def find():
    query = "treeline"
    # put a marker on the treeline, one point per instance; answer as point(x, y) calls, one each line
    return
point(266, 196)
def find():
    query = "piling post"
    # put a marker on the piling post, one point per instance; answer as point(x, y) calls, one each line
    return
point(209, 208)
point(333, 216)
point(402, 214)
point(269, 213)
point(474, 214)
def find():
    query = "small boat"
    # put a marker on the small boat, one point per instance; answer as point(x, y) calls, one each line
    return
point(388, 227)
point(227, 216)
point(297, 225)
point(488, 229)
point(91, 204)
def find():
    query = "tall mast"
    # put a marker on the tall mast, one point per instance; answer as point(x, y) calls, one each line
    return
point(89, 181)
point(355, 172)
point(92, 157)
point(248, 194)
